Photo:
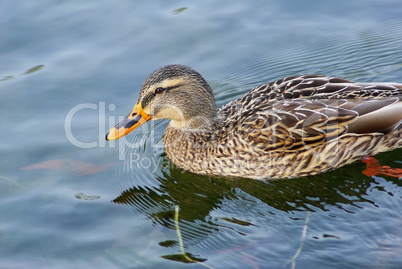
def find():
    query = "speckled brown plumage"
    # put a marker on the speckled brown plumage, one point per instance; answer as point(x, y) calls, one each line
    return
point(293, 127)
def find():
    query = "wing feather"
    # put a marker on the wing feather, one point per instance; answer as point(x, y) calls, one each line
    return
point(307, 110)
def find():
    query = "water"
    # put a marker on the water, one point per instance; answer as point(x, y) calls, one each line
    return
point(94, 204)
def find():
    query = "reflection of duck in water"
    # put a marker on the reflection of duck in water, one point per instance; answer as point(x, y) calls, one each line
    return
point(293, 127)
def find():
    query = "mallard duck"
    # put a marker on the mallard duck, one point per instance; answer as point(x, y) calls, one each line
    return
point(293, 127)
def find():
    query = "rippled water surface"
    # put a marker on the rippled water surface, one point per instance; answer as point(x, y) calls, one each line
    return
point(69, 199)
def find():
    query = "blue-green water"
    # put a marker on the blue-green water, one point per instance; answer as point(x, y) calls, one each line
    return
point(68, 70)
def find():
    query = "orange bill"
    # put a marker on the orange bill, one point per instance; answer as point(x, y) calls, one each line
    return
point(135, 118)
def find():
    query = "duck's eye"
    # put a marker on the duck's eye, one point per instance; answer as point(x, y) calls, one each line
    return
point(159, 90)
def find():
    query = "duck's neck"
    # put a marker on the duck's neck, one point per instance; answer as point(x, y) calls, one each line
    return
point(199, 111)
point(199, 122)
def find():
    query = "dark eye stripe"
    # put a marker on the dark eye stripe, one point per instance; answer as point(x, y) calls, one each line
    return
point(161, 89)
point(148, 97)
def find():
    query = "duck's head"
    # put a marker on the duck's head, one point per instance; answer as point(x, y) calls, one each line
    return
point(174, 92)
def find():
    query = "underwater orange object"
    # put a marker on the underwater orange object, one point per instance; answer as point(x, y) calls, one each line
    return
point(373, 168)
point(68, 166)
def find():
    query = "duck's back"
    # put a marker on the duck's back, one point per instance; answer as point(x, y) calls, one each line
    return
point(306, 110)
